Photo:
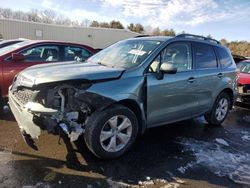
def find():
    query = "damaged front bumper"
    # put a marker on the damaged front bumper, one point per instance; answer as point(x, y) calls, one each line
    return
point(244, 94)
point(24, 115)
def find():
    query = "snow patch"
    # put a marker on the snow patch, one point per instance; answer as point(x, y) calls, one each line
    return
point(174, 183)
point(183, 169)
point(38, 185)
point(220, 160)
point(221, 141)
point(246, 138)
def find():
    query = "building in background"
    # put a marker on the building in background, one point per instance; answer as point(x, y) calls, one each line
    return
point(95, 37)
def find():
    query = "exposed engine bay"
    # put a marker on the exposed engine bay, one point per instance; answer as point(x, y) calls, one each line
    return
point(65, 106)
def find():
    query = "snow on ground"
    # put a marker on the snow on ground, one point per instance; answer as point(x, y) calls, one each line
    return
point(246, 136)
point(38, 185)
point(221, 141)
point(174, 183)
point(220, 159)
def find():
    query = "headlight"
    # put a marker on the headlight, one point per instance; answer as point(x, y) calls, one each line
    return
point(24, 81)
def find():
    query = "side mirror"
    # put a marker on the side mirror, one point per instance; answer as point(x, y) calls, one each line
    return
point(17, 57)
point(166, 68)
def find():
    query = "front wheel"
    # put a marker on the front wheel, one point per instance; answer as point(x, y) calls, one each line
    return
point(220, 110)
point(111, 132)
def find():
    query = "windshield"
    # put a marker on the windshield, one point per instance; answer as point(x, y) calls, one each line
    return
point(244, 67)
point(125, 54)
point(13, 47)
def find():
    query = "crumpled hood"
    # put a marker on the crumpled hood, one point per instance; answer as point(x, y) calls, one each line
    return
point(52, 72)
point(244, 78)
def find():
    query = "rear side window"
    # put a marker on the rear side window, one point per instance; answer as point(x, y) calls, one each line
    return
point(224, 58)
point(204, 56)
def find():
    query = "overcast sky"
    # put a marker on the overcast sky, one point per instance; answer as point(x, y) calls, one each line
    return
point(222, 19)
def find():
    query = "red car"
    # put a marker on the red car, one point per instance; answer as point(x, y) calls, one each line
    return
point(244, 81)
point(17, 57)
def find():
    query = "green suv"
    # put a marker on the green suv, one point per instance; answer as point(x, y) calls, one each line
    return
point(123, 90)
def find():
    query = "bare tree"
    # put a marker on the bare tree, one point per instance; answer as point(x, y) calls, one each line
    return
point(156, 31)
point(116, 24)
point(94, 24)
point(136, 27)
point(104, 24)
point(167, 32)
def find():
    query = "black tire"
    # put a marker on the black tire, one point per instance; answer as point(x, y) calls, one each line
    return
point(98, 121)
point(211, 116)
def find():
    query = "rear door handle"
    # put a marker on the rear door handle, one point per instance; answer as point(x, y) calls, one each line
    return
point(191, 79)
point(220, 75)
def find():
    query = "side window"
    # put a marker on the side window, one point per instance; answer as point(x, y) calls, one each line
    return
point(154, 65)
point(204, 56)
point(178, 53)
point(73, 53)
point(224, 57)
point(45, 53)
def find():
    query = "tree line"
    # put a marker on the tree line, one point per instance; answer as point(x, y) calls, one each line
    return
point(237, 47)
point(51, 17)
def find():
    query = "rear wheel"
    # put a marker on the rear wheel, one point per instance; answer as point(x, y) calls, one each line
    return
point(220, 110)
point(111, 132)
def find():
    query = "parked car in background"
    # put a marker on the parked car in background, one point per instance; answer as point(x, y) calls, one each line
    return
point(244, 81)
point(17, 57)
point(126, 88)
point(4, 43)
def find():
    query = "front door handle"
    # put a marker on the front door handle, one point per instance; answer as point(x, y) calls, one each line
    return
point(220, 75)
point(191, 79)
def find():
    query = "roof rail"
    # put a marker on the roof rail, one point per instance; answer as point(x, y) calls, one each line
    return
point(139, 36)
point(198, 37)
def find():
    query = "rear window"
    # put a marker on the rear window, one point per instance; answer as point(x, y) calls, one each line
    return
point(244, 67)
point(204, 56)
point(224, 58)
point(13, 47)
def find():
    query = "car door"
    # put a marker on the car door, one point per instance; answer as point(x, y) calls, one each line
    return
point(76, 53)
point(174, 97)
point(34, 55)
point(208, 74)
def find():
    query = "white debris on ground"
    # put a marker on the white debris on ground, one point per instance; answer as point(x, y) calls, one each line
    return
point(222, 161)
point(221, 141)
point(175, 183)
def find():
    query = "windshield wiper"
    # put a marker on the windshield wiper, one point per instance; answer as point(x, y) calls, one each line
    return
point(100, 63)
